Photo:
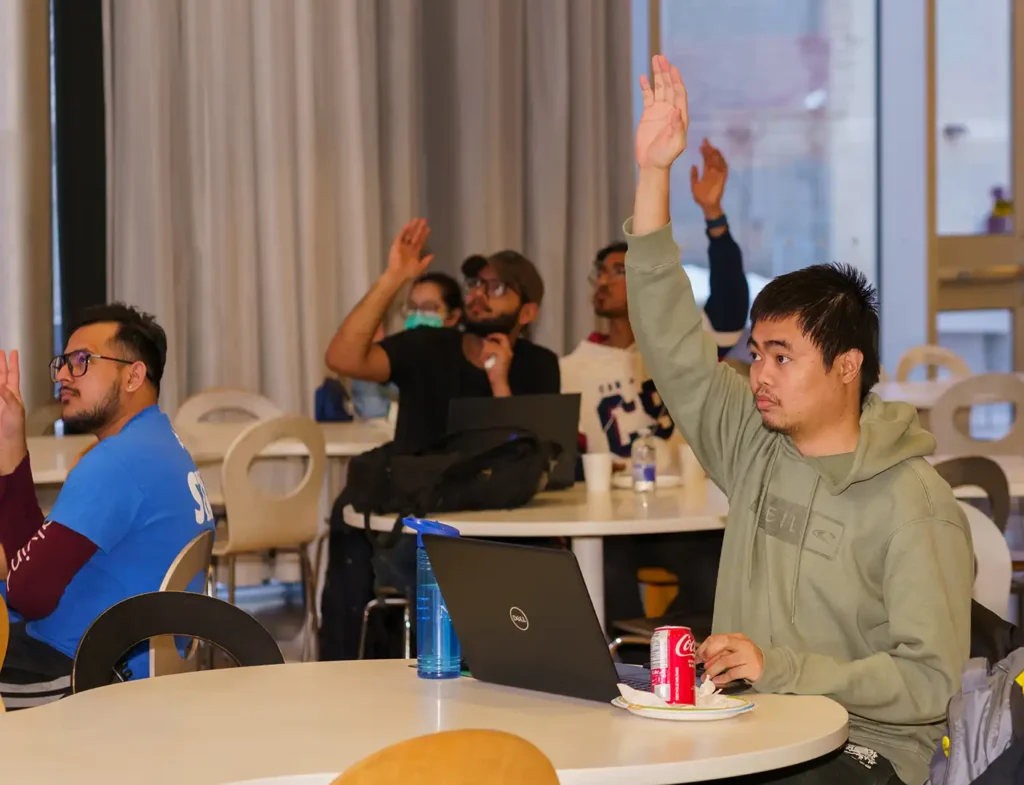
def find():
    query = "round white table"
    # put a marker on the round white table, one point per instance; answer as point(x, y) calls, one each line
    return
point(586, 518)
point(283, 721)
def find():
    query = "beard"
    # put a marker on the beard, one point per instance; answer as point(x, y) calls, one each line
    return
point(96, 418)
point(503, 324)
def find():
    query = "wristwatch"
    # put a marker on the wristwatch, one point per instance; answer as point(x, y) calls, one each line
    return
point(715, 223)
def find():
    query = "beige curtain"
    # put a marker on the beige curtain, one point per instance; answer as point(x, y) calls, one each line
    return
point(26, 293)
point(262, 154)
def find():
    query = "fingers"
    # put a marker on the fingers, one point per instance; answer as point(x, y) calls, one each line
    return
point(694, 176)
point(712, 646)
point(661, 87)
point(420, 233)
point(3, 369)
point(646, 91)
point(14, 373)
point(679, 94)
point(425, 262)
point(500, 339)
point(722, 666)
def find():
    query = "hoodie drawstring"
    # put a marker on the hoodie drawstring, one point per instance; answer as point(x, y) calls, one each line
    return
point(800, 550)
point(757, 517)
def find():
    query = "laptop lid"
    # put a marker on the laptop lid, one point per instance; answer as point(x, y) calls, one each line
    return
point(551, 417)
point(524, 617)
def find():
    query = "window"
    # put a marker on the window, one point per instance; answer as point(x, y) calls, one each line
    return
point(787, 89)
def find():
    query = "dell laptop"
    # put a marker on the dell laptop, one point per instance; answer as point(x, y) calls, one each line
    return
point(525, 619)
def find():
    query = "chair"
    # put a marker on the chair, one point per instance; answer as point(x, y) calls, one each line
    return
point(220, 402)
point(5, 636)
point(124, 626)
point(932, 356)
point(260, 522)
point(993, 565)
point(982, 473)
point(41, 421)
point(388, 598)
point(983, 388)
point(458, 757)
point(194, 559)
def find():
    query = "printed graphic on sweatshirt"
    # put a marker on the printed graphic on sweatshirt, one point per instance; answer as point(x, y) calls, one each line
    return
point(784, 520)
point(622, 419)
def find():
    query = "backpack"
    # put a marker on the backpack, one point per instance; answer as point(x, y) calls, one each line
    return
point(482, 469)
point(986, 719)
point(332, 402)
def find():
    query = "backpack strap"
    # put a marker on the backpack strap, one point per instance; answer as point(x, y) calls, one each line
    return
point(386, 541)
point(974, 676)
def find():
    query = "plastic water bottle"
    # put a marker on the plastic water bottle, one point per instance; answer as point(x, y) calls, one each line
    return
point(438, 653)
point(644, 458)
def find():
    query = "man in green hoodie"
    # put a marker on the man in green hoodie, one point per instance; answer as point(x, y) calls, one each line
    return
point(847, 565)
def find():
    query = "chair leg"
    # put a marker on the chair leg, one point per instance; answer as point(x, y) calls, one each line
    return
point(309, 652)
point(231, 578)
point(363, 630)
point(407, 630)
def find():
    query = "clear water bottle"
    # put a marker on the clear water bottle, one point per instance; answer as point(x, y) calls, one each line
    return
point(644, 456)
point(438, 653)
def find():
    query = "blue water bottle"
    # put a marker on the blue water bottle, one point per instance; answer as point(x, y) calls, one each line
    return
point(438, 654)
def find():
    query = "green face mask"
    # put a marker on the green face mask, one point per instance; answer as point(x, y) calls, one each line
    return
point(423, 319)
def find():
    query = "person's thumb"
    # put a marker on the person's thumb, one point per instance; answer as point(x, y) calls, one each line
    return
point(425, 261)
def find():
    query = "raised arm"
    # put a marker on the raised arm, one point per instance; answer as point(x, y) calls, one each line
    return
point(711, 403)
point(353, 351)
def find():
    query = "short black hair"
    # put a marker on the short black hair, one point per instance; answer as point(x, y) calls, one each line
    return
point(836, 308)
point(619, 246)
point(451, 292)
point(138, 333)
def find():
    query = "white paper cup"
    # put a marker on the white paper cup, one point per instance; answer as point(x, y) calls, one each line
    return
point(689, 467)
point(597, 471)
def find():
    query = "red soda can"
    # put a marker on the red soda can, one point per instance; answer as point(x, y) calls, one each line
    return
point(673, 665)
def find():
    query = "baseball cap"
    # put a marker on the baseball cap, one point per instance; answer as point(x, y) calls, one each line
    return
point(512, 269)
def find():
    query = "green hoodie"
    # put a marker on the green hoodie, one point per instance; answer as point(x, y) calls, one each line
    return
point(853, 575)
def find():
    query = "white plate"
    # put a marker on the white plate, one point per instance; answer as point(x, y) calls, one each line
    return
point(625, 480)
point(687, 713)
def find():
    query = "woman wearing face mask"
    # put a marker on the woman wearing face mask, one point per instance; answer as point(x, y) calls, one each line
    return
point(435, 300)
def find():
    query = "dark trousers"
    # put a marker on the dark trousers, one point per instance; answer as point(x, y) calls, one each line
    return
point(33, 673)
point(849, 765)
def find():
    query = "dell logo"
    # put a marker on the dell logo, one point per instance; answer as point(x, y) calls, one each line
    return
point(519, 618)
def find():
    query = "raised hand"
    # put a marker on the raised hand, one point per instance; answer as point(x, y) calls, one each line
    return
point(13, 446)
point(404, 258)
point(708, 187)
point(661, 134)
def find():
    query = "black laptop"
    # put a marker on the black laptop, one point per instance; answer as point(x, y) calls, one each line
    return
point(554, 418)
point(524, 619)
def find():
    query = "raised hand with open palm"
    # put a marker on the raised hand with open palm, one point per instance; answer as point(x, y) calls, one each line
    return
point(404, 258)
point(13, 446)
point(661, 134)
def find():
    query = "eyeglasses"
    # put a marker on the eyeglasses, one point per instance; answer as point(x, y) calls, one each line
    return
point(78, 363)
point(493, 288)
point(613, 273)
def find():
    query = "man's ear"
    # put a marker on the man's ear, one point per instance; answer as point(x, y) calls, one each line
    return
point(848, 364)
point(136, 376)
point(528, 313)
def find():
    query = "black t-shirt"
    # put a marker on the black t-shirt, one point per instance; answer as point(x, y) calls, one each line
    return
point(430, 369)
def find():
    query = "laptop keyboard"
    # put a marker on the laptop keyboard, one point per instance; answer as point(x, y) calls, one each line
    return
point(635, 676)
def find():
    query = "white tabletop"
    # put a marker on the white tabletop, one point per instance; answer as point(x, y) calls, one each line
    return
point(920, 394)
point(238, 724)
point(53, 456)
point(575, 513)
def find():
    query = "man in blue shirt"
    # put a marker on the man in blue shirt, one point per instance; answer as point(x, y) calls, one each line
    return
point(126, 510)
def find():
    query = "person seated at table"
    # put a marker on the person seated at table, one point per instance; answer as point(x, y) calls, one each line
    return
point(847, 567)
point(490, 356)
point(435, 300)
point(619, 399)
point(126, 510)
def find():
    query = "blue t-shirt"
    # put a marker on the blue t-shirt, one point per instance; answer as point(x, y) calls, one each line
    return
point(137, 496)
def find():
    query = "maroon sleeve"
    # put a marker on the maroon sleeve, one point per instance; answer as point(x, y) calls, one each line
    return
point(20, 516)
point(43, 568)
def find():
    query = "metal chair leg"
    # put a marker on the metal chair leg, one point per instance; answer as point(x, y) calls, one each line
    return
point(309, 643)
point(627, 640)
point(407, 630)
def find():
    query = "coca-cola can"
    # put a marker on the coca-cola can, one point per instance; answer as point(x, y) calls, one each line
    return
point(673, 665)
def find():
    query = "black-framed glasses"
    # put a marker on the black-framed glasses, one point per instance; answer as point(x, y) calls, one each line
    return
point(493, 288)
point(78, 363)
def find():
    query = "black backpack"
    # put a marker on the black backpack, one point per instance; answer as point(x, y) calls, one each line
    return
point(485, 469)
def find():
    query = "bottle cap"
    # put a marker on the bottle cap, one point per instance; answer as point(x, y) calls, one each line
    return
point(424, 526)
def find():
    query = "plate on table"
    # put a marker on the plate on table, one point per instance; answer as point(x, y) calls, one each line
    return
point(736, 707)
point(624, 480)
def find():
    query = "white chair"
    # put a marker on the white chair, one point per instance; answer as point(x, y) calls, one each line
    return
point(194, 559)
point(986, 388)
point(225, 403)
point(258, 521)
point(932, 356)
point(993, 565)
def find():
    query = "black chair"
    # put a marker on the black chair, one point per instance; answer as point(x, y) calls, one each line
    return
point(119, 629)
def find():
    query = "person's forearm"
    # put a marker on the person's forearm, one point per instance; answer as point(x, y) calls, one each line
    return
point(729, 296)
point(650, 210)
point(350, 346)
point(20, 515)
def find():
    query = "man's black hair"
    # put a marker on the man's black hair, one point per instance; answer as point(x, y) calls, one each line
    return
point(451, 292)
point(836, 308)
point(619, 246)
point(138, 334)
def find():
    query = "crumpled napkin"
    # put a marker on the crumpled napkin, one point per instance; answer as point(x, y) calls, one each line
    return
point(708, 697)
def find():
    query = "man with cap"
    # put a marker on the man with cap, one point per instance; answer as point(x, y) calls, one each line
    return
point(430, 367)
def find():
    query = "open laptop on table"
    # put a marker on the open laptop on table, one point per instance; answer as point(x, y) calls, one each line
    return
point(525, 619)
point(551, 417)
